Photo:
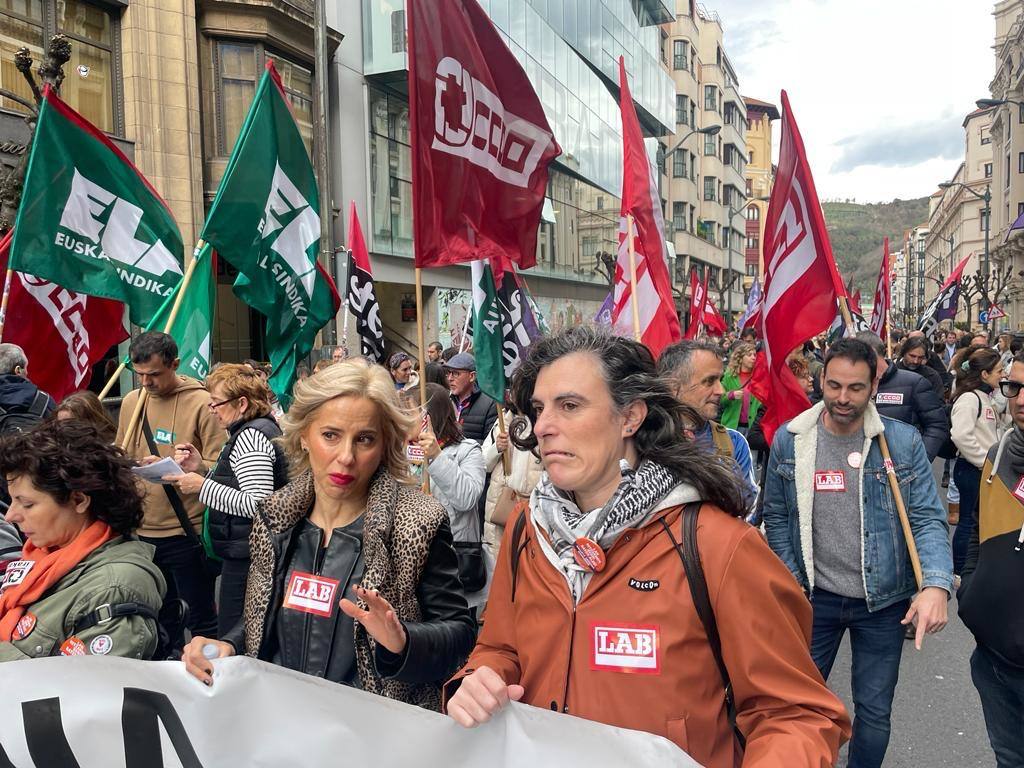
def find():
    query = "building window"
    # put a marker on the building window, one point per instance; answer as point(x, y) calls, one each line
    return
point(988, 170)
point(92, 75)
point(693, 168)
point(679, 164)
point(239, 67)
point(679, 217)
point(753, 213)
point(1020, 209)
point(711, 97)
point(710, 184)
point(710, 145)
point(664, 46)
point(1020, 162)
point(986, 138)
point(693, 212)
point(751, 270)
point(1020, 113)
point(682, 109)
point(398, 31)
point(600, 203)
point(680, 54)
point(753, 242)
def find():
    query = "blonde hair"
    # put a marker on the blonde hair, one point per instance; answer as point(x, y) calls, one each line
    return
point(348, 378)
point(240, 380)
point(740, 351)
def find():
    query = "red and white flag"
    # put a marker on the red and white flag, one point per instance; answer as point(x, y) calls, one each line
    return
point(659, 325)
point(695, 325)
point(712, 320)
point(481, 143)
point(64, 334)
point(801, 281)
point(880, 313)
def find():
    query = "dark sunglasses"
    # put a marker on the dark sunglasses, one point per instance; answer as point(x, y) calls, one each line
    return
point(1010, 389)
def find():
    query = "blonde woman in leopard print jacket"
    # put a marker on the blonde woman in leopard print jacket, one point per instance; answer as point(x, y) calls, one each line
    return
point(354, 577)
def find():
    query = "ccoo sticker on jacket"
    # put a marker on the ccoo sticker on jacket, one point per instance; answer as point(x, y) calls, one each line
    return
point(620, 647)
point(889, 398)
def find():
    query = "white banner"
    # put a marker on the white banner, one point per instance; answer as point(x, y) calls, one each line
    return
point(102, 712)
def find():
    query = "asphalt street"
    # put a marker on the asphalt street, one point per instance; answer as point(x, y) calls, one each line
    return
point(936, 719)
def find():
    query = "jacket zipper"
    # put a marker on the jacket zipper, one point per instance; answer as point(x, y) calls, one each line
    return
point(318, 564)
point(568, 666)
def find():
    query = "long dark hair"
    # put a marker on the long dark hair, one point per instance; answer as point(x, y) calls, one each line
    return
point(629, 372)
point(969, 368)
point(442, 415)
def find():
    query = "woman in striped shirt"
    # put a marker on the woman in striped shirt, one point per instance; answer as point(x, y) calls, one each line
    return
point(250, 468)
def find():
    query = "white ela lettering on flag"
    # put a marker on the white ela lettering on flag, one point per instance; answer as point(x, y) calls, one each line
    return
point(298, 226)
point(109, 223)
point(104, 710)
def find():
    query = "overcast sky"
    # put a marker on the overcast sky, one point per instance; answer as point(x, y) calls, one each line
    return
point(879, 87)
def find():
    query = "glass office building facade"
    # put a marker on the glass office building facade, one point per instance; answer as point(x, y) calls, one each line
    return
point(569, 50)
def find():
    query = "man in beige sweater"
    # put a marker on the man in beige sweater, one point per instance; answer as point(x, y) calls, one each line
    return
point(177, 410)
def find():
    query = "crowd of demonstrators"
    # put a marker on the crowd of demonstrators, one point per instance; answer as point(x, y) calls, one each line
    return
point(739, 407)
point(351, 525)
point(977, 425)
point(821, 526)
point(457, 475)
point(250, 467)
point(82, 584)
point(620, 497)
point(508, 489)
point(176, 411)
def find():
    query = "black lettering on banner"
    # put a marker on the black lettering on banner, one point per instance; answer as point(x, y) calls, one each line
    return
point(139, 715)
point(5, 761)
point(44, 734)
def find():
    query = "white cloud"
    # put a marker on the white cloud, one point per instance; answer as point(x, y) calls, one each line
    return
point(879, 87)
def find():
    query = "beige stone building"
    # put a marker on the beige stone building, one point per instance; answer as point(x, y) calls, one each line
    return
point(706, 193)
point(956, 219)
point(760, 176)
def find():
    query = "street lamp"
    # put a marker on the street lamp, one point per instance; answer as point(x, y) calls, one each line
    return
point(987, 103)
point(710, 130)
point(987, 199)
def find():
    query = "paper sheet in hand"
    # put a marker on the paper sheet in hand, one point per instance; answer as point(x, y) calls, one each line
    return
point(155, 471)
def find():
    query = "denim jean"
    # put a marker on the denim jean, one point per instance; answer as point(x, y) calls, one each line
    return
point(1001, 688)
point(234, 573)
point(190, 577)
point(876, 642)
point(968, 480)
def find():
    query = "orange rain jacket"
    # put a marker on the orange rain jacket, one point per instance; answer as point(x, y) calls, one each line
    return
point(634, 654)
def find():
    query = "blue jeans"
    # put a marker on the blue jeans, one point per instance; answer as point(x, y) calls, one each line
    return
point(1001, 688)
point(968, 480)
point(876, 640)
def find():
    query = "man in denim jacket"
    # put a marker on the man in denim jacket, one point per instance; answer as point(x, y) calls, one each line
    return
point(830, 515)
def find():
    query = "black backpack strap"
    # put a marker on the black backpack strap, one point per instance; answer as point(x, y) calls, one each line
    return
point(517, 548)
point(698, 584)
point(172, 494)
point(110, 611)
point(39, 404)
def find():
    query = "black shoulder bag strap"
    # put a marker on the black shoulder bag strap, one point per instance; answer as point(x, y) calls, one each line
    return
point(39, 403)
point(517, 548)
point(110, 611)
point(172, 494)
point(690, 556)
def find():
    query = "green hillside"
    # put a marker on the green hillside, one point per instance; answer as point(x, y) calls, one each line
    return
point(856, 231)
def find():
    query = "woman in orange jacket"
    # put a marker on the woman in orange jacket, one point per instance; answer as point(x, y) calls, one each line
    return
point(591, 613)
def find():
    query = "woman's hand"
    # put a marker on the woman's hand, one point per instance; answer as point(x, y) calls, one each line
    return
point(501, 442)
point(480, 696)
point(428, 442)
point(188, 457)
point(380, 620)
point(190, 483)
point(197, 665)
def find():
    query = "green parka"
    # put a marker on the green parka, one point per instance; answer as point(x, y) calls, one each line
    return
point(120, 571)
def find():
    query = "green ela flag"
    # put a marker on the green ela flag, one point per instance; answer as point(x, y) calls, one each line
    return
point(265, 222)
point(193, 326)
point(89, 221)
point(487, 332)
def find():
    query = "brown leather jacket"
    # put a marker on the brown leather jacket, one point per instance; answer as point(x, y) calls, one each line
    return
point(634, 654)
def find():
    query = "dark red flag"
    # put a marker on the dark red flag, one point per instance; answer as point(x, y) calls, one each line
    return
point(801, 281)
point(481, 143)
point(62, 333)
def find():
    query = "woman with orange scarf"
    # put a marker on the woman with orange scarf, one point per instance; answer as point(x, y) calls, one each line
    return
point(83, 583)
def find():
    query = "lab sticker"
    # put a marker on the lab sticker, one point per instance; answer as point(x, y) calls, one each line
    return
point(311, 594)
point(630, 648)
point(830, 481)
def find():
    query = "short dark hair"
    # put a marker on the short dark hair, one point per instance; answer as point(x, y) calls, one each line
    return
point(434, 373)
point(873, 341)
point(61, 457)
point(630, 374)
point(748, 332)
point(675, 358)
point(854, 350)
point(449, 353)
point(915, 342)
point(435, 345)
point(150, 343)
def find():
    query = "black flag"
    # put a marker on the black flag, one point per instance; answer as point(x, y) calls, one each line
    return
point(362, 301)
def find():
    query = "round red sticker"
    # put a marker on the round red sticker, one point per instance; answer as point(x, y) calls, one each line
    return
point(24, 626)
point(588, 554)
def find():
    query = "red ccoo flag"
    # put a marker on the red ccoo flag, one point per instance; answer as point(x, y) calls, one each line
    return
point(880, 313)
point(659, 325)
point(481, 143)
point(801, 281)
point(62, 333)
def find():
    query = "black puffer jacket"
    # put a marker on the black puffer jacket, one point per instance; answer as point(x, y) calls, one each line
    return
point(908, 397)
point(930, 375)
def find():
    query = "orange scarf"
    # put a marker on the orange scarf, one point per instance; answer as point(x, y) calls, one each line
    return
point(51, 565)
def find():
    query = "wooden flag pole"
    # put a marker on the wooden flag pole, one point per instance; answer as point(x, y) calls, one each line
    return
point(421, 356)
point(908, 533)
point(133, 422)
point(506, 464)
point(888, 338)
point(3, 303)
point(637, 331)
point(844, 309)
